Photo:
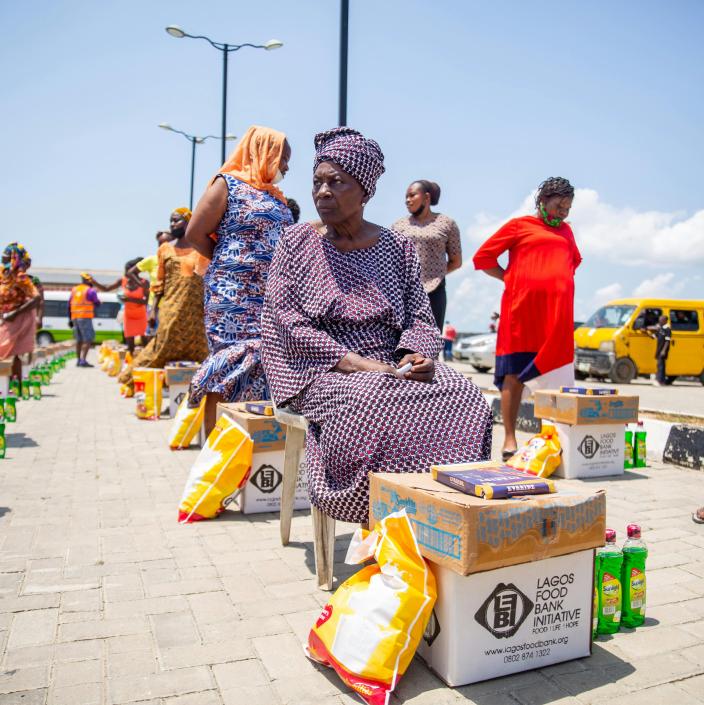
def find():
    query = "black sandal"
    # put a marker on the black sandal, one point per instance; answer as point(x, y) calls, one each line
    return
point(508, 454)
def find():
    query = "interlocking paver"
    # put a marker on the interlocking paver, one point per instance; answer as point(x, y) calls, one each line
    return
point(104, 598)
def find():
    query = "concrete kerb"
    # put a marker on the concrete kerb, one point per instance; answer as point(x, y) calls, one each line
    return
point(669, 441)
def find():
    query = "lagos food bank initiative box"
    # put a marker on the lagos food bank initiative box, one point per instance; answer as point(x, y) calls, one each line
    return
point(511, 619)
point(591, 429)
point(515, 576)
point(178, 378)
point(262, 493)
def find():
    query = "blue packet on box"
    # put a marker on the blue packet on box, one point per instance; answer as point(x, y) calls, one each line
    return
point(596, 391)
point(491, 482)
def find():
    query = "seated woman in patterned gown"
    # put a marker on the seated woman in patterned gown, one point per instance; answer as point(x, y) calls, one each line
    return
point(344, 311)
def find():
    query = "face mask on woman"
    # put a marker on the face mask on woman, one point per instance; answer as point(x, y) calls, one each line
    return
point(279, 176)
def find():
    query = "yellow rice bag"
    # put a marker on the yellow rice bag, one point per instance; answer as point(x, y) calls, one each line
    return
point(187, 423)
point(114, 366)
point(148, 383)
point(540, 456)
point(371, 627)
point(220, 471)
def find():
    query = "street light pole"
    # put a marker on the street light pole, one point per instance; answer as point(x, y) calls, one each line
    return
point(193, 168)
point(194, 140)
point(344, 36)
point(224, 102)
point(177, 32)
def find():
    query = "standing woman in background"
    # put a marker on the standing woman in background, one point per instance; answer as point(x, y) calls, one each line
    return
point(437, 241)
point(535, 342)
point(178, 301)
point(19, 300)
point(236, 225)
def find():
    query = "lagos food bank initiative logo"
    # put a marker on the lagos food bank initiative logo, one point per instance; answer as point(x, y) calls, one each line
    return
point(589, 447)
point(504, 611)
point(266, 479)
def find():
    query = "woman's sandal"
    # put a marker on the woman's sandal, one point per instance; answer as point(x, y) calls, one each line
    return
point(508, 454)
point(696, 518)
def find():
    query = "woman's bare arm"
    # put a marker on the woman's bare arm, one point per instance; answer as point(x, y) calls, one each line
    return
point(496, 272)
point(207, 217)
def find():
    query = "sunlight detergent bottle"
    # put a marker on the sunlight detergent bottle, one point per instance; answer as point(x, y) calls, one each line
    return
point(595, 604)
point(640, 451)
point(635, 553)
point(610, 564)
point(628, 450)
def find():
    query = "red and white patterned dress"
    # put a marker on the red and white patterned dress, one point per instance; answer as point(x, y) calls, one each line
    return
point(322, 303)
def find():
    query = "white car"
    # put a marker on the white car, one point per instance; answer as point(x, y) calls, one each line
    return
point(478, 350)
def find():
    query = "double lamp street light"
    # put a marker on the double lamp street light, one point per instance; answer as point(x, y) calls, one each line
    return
point(194, 140)
point(177, 32)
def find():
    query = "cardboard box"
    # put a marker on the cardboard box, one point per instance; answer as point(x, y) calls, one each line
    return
point(512, 619)
point(576, 409)
point(262, 493)
point(177, 393)
point(468, 534)
point(180, 376)
point(591, 451)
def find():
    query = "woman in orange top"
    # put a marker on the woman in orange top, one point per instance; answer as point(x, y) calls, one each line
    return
point(135, 292)
point(535, 343)
point(178, 298)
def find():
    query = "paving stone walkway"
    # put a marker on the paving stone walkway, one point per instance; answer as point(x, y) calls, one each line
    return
point(105, 599)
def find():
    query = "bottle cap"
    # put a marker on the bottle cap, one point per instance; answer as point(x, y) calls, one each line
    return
point(610, 535)
point(633, 531)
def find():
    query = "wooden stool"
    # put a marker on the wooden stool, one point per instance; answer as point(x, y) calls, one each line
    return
point(323, 525)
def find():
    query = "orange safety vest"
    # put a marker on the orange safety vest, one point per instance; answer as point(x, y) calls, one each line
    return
point(80, 306)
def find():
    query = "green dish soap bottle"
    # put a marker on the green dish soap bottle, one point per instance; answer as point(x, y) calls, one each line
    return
point(640, 452)
point(635, 553)
point(628, 450)
point(610, 565)
point(595, 603)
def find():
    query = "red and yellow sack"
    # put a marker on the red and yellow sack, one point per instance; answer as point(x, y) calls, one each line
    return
point(148, 391)
point(187, 424)
point(219, 473)
point(370, 629)
point(540, 456)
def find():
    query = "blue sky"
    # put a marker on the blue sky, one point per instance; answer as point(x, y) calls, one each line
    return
point(485, 98)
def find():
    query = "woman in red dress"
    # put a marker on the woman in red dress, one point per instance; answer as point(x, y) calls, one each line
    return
point(535, 344)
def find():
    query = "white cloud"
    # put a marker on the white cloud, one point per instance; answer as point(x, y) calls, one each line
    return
point(471, 301)
point(660, 285)
point(619, 234)
point(607, 293)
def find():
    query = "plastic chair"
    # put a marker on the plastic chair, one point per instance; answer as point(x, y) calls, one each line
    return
point(323, 525)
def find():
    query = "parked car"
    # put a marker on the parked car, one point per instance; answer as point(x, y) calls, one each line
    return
point(55, 323)
point(478, 350)
point(613, 343)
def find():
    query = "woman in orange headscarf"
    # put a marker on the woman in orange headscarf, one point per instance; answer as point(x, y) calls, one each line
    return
point(237, 224)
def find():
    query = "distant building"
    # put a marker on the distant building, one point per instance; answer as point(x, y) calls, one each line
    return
point(62, 279)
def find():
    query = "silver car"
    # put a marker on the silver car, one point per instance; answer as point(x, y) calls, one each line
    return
point(478, 350)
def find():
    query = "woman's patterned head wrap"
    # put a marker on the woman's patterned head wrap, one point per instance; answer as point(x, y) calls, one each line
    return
point(360, 157)
point(185, 212)
point(19, 257)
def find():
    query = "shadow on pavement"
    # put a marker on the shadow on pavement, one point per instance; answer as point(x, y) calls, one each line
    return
point(20, 440)
point(4, 510)
point(629, 475)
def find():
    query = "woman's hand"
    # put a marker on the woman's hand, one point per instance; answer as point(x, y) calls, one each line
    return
point(356, 363)
point(423, 369)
